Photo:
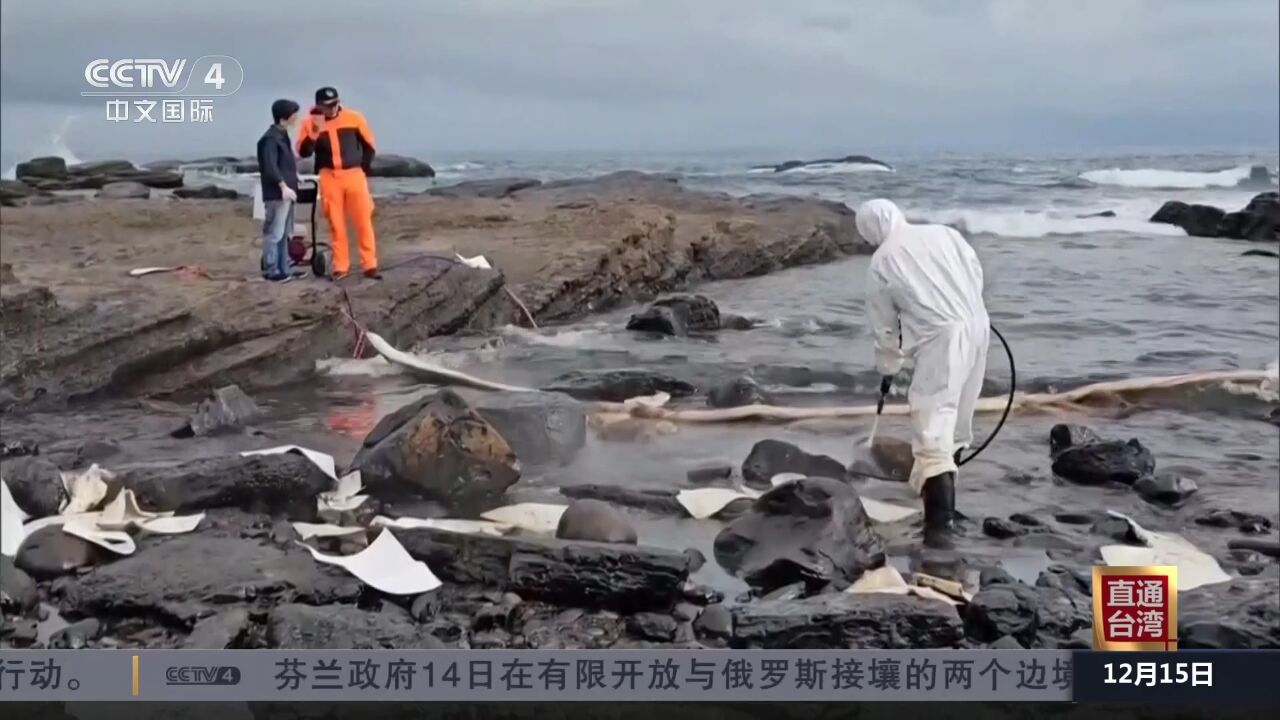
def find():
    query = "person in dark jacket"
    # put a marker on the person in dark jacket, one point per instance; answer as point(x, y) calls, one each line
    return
point(279, 173)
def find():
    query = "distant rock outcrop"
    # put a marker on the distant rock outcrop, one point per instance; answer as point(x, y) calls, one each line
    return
point(1259, 220)
point(846, 160)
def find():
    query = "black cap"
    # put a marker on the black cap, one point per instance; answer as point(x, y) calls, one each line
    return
point(326, 96)
point(283, 110)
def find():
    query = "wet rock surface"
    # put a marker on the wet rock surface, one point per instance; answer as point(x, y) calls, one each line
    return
point(1240, 614)
point(35, 484)
point(222, 630)
point(813, 531)
point(49, 553)
point(1044, 615)
point(595, 521)
point(773, 457)
point(1064, 436)
point(18, 593)
point(227, 409)
point(842, 620)
point(540, 427)
point(440, 449)
point(678, 316)
point(1245, 522)
point(1098, 463)
point(1166, 488)
point(1259, 220)
point(737, 393)
point(568, 573)
point(282, 483)
point(661, 501)
point(177, 580)
point(304, 627)
point(619, 385)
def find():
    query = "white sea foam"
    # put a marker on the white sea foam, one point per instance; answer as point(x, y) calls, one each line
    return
point(56, 147)
point(585, 338)
point(348, 367)
point(1168, 179)
point(1014, 223)
point(839, 168)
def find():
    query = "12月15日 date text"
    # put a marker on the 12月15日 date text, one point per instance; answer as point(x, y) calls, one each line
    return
point(1155, 674)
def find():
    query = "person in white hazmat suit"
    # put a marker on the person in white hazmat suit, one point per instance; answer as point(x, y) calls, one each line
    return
point(924, 301)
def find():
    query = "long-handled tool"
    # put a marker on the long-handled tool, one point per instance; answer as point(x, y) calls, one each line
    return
point(885, 386)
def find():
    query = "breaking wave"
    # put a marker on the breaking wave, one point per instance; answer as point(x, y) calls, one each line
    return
point(1041, 224)
point(839, 168)
point(1169, 179)
point(56, 147)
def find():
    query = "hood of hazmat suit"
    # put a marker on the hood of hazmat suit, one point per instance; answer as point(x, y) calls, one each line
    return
point(924, 300)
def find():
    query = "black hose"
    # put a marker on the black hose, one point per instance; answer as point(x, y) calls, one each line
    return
point(1013, 387)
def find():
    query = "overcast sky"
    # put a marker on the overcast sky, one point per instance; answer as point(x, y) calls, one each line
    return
point(439, 77)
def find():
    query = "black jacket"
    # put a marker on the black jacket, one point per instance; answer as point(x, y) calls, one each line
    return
point(276, 163)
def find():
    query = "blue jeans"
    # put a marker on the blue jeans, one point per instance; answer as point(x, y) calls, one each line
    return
point(277, 227)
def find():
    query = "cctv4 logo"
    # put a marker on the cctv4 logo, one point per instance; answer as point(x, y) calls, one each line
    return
point(145, 73)
point(202, 675)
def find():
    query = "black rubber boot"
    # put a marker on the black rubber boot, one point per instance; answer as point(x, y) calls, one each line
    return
point(939, 510)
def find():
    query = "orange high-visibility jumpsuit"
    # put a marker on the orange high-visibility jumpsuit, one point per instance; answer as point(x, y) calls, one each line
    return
point(344, 151)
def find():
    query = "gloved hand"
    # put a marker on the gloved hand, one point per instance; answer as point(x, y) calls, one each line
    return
point(886, 384)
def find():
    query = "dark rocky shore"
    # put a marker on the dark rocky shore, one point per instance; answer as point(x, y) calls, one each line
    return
point(78, 327)
point(81, 337)
point(242, 581)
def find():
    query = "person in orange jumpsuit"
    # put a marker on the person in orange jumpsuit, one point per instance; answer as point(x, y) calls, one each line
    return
point(343, 145)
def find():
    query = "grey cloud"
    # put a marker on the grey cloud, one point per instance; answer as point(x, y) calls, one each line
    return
point(513, 74)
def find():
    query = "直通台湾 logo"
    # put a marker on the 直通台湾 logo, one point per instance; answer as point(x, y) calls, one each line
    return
point(1135, 608)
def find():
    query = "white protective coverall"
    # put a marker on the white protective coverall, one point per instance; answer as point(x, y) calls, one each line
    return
point(925, 282)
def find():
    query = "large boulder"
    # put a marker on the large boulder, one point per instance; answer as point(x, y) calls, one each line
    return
point(386, 165)
point(541, 427)
point(124, 190)
point(440, 449)
point(36, 485)
point(618, 385)
point(49, 552)
point(41, 168)
point(1237, 615)
point(181, 578)
point(303, 627)
point(813, 530)
point(282, 483)
point(596, 521)
point(1259, 220)
point(613, 576)
point(678, 315)
point(844, 620)
point(1197, 220)
point(1045, 615)
point(774, 457)
point(1103, 462)
point(102, 167)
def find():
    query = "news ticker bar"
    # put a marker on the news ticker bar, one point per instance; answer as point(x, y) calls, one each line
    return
point(1222, 676)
